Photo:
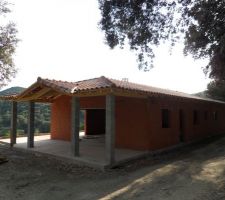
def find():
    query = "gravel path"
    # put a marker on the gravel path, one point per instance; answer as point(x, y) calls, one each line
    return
point(196, 172)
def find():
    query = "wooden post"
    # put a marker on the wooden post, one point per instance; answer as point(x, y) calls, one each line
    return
point(13, 123)
point(110, 129)
point(30, 134)
point(75, 125)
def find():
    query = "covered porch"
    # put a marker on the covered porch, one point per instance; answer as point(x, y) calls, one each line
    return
point(92, 150)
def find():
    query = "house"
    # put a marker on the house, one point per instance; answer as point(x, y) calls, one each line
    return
point(128, 115)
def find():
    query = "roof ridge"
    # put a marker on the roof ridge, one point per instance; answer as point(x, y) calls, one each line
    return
point(39, 79)
point(108, 80)
point(52, 83)
point(149, 86)
point(87, 79)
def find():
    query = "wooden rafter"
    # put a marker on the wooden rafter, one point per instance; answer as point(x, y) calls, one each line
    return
point(28, 90)
point(36, 95)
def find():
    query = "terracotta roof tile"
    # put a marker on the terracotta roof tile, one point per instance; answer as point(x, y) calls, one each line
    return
point(73, 87)
point(149, 89)
point(103, 82)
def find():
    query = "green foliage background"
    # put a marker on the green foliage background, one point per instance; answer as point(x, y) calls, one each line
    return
point(42, 115)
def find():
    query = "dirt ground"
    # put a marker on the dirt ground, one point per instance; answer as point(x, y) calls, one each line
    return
point(195, 172)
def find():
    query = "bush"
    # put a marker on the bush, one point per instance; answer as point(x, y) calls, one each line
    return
point(5, 132)
point(81, 127)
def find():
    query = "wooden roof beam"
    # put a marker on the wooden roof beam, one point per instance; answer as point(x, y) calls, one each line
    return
point(35, 96)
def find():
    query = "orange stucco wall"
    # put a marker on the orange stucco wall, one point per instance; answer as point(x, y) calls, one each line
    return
point(61, 118)
point(139, 121)
point(61, 114)
point(132, 127)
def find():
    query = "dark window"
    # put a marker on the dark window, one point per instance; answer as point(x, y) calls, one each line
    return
point(215, 115)
point(165, 118)
point(206, 115)
point(195, 117)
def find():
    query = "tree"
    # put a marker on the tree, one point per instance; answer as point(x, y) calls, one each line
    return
point(144, 24)
point(205, 36)
point(139, 22)
point(216, 90)
point(8, 42)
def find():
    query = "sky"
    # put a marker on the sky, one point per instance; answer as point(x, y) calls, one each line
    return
point(60, 39)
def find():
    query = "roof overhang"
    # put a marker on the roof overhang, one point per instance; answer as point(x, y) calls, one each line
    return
point(45, 90)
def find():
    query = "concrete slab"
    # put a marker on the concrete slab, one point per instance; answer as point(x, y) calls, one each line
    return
point(92, 150)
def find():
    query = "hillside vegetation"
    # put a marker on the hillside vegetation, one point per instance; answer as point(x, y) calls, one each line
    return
point(12, 91)
point(42, 115)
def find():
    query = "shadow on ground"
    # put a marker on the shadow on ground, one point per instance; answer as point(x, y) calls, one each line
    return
point(195, 172)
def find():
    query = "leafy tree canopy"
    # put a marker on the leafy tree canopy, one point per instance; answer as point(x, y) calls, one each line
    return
point(8, 41)
point(144, 24)
point(216, 90)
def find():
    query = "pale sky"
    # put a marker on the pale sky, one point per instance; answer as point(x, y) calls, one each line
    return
point(60, 40)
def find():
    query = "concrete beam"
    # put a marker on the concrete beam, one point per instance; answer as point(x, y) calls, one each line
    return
point(75, 125)
point(30, 133)
point(110, 129)
point(13, 123)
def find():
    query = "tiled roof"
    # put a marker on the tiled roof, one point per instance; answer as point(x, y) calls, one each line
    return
point(73, 87)
point(148, 89)
point(102, 82)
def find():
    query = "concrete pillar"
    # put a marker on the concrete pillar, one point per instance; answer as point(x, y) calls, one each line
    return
point(30, 134)
point(13, 123)
point(110, 129)
point(75, 125)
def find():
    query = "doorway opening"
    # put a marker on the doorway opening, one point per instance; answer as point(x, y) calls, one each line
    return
point(94, 122)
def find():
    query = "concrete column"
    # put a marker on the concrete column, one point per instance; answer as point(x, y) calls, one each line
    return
point(13, 123)
point(110, 129)
point(30, 134)
point(75, 125)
